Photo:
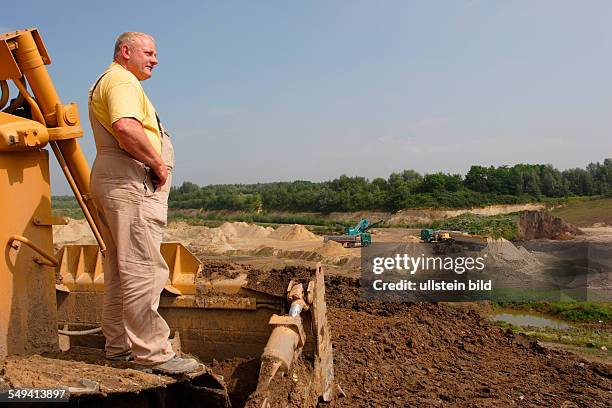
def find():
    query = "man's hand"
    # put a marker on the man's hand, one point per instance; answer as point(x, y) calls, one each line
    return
point(160, 176)
point(132, 138)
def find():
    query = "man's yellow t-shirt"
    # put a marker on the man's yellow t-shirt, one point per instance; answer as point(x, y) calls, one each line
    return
point(119, 94)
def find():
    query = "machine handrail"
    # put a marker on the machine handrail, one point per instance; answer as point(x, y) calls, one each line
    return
point(49, 260)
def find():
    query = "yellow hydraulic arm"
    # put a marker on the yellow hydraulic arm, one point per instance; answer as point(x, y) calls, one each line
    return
point(23, 57)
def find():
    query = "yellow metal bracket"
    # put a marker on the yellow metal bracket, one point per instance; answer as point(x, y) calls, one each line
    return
point(51, 220)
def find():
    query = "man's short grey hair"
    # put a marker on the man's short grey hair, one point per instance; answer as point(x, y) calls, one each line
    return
point(127, 38)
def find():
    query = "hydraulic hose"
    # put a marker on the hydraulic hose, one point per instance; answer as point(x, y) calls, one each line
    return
point(80, 332)
point(16, 103)
point(36, 112)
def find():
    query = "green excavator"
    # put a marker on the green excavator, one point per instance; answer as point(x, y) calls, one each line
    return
point(356, 235)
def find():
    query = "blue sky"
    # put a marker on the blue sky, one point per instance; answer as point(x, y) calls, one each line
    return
point(284, 90)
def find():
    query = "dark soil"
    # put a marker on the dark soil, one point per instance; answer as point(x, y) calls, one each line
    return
point(276, 281)
point(293, 389)
point(288, 390)
point(427, 354)
point(215, 268)
point(240, 375)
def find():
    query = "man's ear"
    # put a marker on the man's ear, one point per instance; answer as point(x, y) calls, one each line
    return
point(125, 51)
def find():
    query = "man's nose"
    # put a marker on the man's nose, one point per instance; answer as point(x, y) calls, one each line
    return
point(154, 60)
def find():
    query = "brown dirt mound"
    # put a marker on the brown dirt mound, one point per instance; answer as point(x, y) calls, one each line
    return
point(294, 232)
point(540, 224)
point(427, 354)
point(215, 268)
point(276, 281)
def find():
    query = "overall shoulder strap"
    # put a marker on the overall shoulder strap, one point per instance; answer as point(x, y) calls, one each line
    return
point(95, 85)
point(162, 131)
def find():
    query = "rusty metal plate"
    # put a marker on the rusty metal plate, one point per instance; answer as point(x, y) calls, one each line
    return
point(324, 359)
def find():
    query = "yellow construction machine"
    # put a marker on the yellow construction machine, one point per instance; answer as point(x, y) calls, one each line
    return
point(447, 241)
point(216, 316)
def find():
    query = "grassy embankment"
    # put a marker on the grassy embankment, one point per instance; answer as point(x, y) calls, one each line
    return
point(580, 211)
point(585, 211)
point(592, 320)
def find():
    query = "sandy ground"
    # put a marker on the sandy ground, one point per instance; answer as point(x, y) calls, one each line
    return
point(293, 245)
point(240, 238)
point(599, 234)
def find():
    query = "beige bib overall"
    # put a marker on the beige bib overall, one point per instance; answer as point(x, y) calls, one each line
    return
point(133, 217)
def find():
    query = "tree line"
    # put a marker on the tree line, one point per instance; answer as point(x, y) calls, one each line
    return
point(407, 189)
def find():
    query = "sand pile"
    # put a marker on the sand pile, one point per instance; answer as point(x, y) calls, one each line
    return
point(503, 249)
point(75, 232)
point(214, 241)
point(244, 230)
point(540, 224)
point(332, 248)
point(294, 232)
point(194, 236)
point(180, 231)
point(264, 250)
point(516, 263)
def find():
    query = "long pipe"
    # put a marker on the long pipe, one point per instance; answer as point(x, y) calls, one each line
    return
point(77, 195)
point(80, 332)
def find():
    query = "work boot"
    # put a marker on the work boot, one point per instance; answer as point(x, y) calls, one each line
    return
point(175, 365)
point(125, 356)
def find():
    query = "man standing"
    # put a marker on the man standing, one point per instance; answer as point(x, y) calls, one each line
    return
point(130, 181)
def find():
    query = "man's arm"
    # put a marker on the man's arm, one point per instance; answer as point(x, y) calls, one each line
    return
point(132, 138)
